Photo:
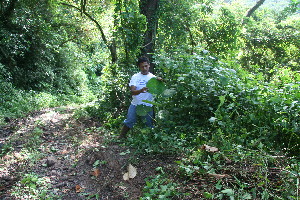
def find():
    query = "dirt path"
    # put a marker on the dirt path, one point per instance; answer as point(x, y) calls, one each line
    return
point(52, 155)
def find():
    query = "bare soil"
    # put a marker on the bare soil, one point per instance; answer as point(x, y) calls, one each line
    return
point(76, 155)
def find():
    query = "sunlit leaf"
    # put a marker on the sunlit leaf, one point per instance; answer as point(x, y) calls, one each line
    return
point(247, 196)
point(151, 102)
point(132, 172)
point(169, 92)
point(207, 195)
point(155, 86)
point(229, 192)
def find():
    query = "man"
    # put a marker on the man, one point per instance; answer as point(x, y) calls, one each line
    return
point(139, 93)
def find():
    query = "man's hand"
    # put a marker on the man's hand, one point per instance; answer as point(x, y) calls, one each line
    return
point(159, 78)
point(144, 89)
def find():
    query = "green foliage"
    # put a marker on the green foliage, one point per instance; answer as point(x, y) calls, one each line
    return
point(37, 52)
point(113, 94)
point(157, 141)
point(155, 86)
point(160, 187)
point(271, 39)
point(221, 34)
point(268, 111)
point(4, 149)
point(207, 92)
point(131, 26)
point(33, 187)
point(194, 83)
point(174, 29)
point(142, 110)
point(16, 102)
point(241, 173)
point(269, 45)
point(291, 9)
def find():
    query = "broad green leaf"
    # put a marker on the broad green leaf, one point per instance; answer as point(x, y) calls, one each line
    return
point(207, 195)
point(247, 196)
point(229, 192)
point(142, 110)
point(219, 185)
point(224, 80)
point(155, 86)
point(169, 92)
point(151, 102)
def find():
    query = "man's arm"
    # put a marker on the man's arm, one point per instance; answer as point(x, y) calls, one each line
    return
point(134, 91)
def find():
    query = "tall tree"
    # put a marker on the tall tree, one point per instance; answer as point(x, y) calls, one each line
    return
point(110, 44)
point(130, 26)
point(149, 8)
point(6, 11)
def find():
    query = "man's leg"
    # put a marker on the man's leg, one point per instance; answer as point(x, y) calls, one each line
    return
point(150, 118)
point(129, 121)
point(124, 131)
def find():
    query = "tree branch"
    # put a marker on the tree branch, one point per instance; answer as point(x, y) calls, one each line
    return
point(110, 46)
point(254, 8)
point(92, 19)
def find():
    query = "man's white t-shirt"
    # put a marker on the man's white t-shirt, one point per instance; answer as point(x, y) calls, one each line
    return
point(139, 81)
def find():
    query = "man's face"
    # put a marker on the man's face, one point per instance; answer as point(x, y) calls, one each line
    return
point(144, 67)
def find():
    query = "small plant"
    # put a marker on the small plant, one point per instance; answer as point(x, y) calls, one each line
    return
point(153, 141)
point(160, 187)
point(33, 187)
point(98, 163)
point(4, 149)
point(35, 138)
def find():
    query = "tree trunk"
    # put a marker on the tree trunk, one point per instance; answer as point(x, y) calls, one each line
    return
point(149, 8)
point(254, 8)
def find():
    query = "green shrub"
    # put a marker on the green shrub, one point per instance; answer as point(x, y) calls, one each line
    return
point(113, 93)
point(206, 92)
point(157, 140)
point(241, 173)
point(160, 187)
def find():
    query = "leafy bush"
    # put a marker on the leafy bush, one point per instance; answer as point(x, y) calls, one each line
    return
point(206, 92)
point(240, 173)
point(157, 141)
point(263, 111)
point(160, 187)
point(113, 93)
point(271, 40)
point(194, 84)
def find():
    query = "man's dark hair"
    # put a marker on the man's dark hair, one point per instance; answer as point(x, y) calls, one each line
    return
point(142, 59)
